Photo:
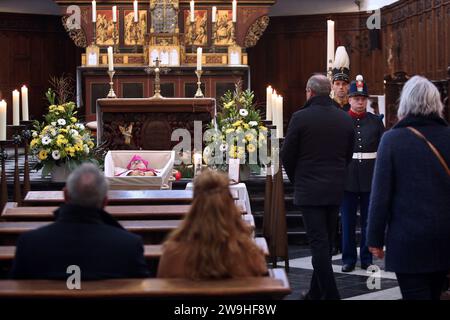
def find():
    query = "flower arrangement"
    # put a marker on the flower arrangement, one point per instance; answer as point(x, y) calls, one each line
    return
point(60, 140)
point(238, 132)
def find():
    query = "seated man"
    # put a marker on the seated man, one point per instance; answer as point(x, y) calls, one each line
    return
point(84, 235)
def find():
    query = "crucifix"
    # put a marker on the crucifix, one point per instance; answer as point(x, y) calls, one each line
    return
point(157, 70)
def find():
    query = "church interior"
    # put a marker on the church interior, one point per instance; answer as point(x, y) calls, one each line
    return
point(135, 88)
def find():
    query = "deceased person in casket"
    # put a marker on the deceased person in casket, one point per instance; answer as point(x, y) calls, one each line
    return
point(136, 167)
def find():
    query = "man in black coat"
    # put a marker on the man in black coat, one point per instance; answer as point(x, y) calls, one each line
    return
point(83, 235)
point(317, 148)
point(369, 129)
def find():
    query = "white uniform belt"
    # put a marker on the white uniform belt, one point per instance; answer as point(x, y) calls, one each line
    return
point(364, 155)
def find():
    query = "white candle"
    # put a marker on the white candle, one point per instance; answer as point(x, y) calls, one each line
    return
point(197, 159)
point(135, 7)
point(330, 44)
point(273, 104)
point(94, 11)
point(16, 106)
point(234, 10)
point(192, 11)
point(269, 91)
point(214, 14)
point(199, 58)
point(280, 117)
point(24, 91)
point(3, 120)
point(114, 13)
point(110, 59)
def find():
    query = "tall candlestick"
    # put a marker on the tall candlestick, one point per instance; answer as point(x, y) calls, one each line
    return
point(3, 120)
point(114, 13)
point(135, 7)
point(24, 91)
point(269, 92)
point(214, 14)
point(94, 11)
point(192, 11)
point(199, 58)
point(16, 106)
point(234, 10)
point(330, 44)
point(110, 59)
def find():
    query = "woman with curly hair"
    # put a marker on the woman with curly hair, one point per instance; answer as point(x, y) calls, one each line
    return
point(213, 242)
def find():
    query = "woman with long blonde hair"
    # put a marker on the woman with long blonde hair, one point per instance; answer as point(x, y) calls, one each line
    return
point(213, 242)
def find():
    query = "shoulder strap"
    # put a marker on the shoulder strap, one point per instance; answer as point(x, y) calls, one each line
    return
point(432, 147)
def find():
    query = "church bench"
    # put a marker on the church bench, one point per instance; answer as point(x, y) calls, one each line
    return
point(152, 231)
point(119, 197)
point(12, 212)
point(275, 286)
point(151, 251)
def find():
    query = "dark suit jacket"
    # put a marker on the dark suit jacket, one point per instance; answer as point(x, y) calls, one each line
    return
point(87, 237)
point(317, 148)
point(410, 198)
point(368, 135)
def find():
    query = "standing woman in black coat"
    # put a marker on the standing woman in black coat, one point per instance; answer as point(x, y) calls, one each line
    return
point(409, 208)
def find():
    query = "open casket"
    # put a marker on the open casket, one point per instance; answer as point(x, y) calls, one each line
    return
point(118, 160)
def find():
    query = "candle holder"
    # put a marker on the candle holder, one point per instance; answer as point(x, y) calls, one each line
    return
point(3, 183)
point(17, 140)
point(199, 93)
point(136, 36)
point(26, 136)
point(115, 38)
point(111, 93)
point(94, 33)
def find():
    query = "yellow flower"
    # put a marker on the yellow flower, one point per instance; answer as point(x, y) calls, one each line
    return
point(63, 130)
point(90, 144)
point(73, 119)
point(60, 137)
point(228, 104)
point(246, 126)
point(42, 155)
point(230, 130)
point(34, 142)
point(249, 137)
point(61, 108)
point(237, 123)
point(251, 148)
point(262, 128)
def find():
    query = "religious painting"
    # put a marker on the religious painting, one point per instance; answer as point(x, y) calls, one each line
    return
point(196, 32)
point(234, 55)
point(224, 29)
point(105, 28)
point(167, 55)
point(92, 56)
point(135, 32)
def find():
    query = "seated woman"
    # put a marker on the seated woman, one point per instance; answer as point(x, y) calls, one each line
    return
point(213, 241)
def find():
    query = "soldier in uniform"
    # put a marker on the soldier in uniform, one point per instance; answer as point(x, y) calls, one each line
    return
point(368, 128)
point(341, 78)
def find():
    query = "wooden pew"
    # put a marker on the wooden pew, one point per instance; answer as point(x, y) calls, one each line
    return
point(151, 252)
point(275, 286)
point(119, 197)
point(152, 231)
point(12, 212)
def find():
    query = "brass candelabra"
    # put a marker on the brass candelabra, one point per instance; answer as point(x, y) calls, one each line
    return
point(111, 93)
point(94, 33)
point(199, 93)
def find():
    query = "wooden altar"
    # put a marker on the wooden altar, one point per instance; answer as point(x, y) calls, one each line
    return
point(134, 82)
point(147, 124)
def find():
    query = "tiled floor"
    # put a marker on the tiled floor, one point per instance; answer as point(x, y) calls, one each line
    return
point(352, 286)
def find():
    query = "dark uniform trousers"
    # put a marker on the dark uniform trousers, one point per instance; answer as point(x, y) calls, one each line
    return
point(369, 130)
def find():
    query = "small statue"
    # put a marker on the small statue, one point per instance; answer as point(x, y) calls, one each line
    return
point(126, 132)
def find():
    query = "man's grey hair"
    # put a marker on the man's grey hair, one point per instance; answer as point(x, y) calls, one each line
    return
point(87, 186)
point(420, 97)
point(319, 85)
